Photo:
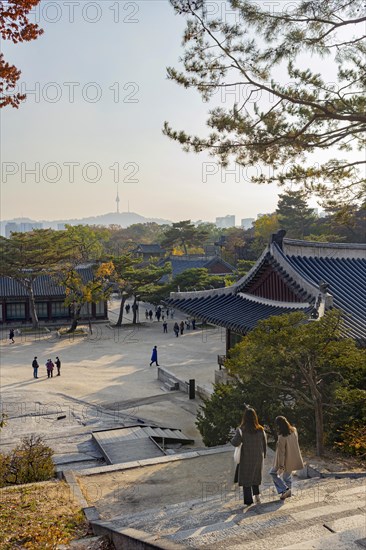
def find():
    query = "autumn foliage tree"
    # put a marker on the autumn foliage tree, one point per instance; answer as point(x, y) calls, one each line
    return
point(84, 246)
point(16, 27)
point(80, 291)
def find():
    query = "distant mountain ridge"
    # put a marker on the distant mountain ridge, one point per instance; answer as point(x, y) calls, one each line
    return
point(124, 219)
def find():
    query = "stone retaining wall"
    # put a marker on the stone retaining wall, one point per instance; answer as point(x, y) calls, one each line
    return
point(166, 376)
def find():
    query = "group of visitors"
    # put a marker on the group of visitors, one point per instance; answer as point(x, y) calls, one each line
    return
point(164, 315)
point(160, 313)
point(50, 365)
point(179, 328)
point(252, 438)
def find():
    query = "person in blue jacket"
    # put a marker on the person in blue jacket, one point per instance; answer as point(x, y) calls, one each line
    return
point(154, 356)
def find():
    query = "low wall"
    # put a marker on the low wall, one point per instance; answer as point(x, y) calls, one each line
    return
point(165, 376)
point(133, 539)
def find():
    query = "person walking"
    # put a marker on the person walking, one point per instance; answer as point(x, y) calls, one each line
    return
point(176, 329)
point(11, 336)
point(154, 356)
point(158, 313)
point(35, 366)
point(58, 366)
point(49, 367)
point(146, 314)
point(150, 314)
point(165, 327)
point(253, 451)
point(181, 326)
point(288, 457)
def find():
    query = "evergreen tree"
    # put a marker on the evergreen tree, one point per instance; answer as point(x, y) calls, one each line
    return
point(26, 256)
point(183, 234)
point(294, 215)
point(303, 364)
point(137, 280)
point(276, 110)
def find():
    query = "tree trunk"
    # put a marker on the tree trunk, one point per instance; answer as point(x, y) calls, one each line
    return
point(319, 426)
point(121, 309)
point(135, 308)
point(32, 307)
point(309, 372)
point(76, 318)
point(89, 320)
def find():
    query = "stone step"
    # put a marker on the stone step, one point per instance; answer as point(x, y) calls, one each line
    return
point(316, 509)
point(171, 385)
point(279, 532)
point(262, 527)
point(197, 512)
point(345, 540)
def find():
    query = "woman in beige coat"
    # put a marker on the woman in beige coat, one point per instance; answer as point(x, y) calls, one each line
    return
point(288, 457)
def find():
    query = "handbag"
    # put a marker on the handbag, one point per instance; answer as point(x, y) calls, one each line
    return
point(237, 451)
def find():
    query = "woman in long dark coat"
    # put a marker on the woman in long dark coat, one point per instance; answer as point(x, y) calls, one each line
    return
point(253, 451)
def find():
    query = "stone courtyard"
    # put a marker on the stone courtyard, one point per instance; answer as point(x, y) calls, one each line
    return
point(105, 380)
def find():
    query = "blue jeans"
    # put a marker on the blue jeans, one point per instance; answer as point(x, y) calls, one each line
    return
point(281, 483)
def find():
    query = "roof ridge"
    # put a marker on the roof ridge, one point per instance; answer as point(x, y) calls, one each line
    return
point(275, 303)
point(296, 247)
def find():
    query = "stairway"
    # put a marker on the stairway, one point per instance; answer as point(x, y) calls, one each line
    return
point(322, 514)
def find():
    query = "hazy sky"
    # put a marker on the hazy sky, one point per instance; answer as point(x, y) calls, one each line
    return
point(97, 100)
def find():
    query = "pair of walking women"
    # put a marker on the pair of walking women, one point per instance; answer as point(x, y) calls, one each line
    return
point(252, 437)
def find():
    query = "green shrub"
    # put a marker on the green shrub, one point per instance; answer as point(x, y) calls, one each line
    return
point(220, 413)
point(28, 462)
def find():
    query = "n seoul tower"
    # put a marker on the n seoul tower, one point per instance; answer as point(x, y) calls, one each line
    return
point(117, 201)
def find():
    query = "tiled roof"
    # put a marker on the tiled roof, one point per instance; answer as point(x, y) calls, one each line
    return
point(346, 278)
point(341, 267)
point(237, 312)
point(179, 266)
point(44, 286)
point(182, 263)
point(150, 249)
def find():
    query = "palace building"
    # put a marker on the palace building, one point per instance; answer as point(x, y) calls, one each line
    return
point(290, 275)
point(49, 298)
